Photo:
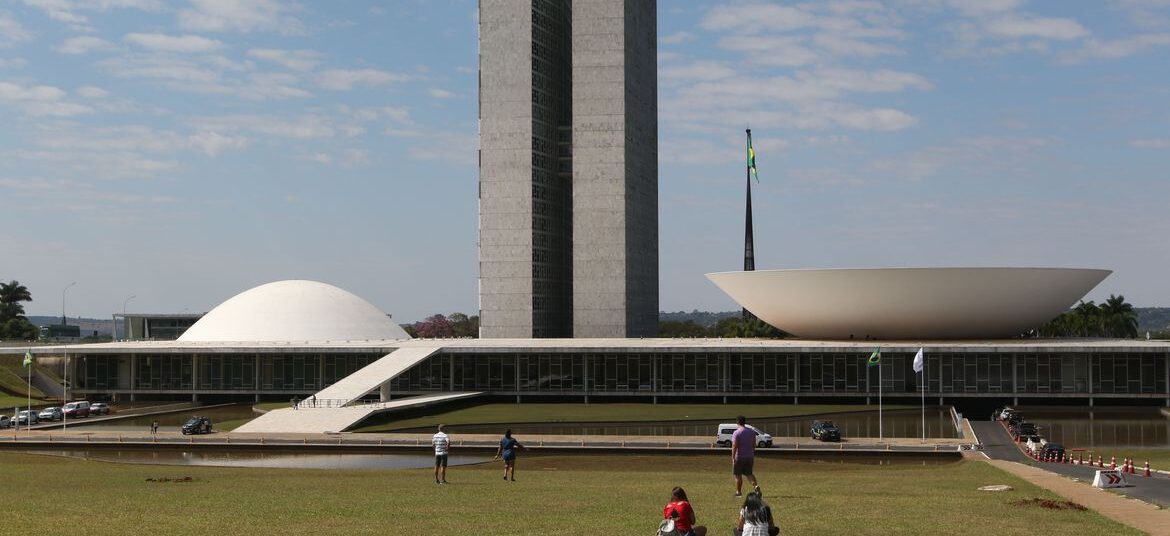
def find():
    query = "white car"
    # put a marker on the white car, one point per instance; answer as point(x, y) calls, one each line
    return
point(724, 431)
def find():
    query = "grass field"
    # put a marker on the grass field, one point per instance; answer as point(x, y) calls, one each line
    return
point(552, 495)
point(537, 413)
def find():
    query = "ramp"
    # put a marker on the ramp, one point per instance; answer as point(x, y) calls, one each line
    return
point(370, 377)
point(319, 420)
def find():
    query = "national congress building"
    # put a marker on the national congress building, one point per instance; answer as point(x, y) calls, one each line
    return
point(568, 173)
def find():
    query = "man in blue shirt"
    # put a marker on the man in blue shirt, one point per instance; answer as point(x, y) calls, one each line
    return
point(743, 454)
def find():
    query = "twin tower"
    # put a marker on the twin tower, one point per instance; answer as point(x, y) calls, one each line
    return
point(568, 168)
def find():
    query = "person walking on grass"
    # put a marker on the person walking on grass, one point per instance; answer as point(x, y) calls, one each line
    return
point(442, 445)
point(507, 449)
point(743, 455)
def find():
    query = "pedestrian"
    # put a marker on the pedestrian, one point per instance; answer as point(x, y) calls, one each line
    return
point(442, 445)
point(313, 401)
point(507, 449)
point(154, 427)
point(294, 402)
point(679, 508)
point(743, 455)
point(755, 518)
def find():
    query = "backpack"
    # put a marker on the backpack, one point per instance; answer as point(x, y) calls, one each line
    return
point(667, 528)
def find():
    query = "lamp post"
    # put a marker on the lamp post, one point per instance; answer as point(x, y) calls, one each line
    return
point(63, 322)
point(125, 332)
point(64, 388)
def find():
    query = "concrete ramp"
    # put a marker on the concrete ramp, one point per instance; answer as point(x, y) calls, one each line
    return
point(319, 420)
point(370, 377)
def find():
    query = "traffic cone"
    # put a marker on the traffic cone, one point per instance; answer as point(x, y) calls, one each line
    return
point(1146, 472)
point(1067, 458)
point(1100, 462)
point(1112, 463)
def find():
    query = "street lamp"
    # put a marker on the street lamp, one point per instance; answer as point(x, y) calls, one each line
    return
point(125, 333)
point(63, 322)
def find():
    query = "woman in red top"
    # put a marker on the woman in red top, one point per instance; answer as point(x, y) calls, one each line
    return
point(680, 509)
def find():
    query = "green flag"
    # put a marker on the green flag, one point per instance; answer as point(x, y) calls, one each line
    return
point(875, 358)
point(28, 358)
point(751, 157)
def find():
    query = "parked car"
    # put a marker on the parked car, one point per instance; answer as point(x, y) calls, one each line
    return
point(724, 431)
point(99, 408)
point(1004, 414)
point(197, 425)
point(77, 409)
point(51, 414)
point(1052, 450)
point(26, 417)
point(1024, 429)
point(825, 431)
point(5, 421)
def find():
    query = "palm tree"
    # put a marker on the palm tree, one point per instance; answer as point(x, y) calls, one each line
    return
point(11, 294)
point(1119, 317)
point(1087, 320)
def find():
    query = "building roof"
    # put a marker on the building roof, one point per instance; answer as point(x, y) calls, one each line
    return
point(293, 310)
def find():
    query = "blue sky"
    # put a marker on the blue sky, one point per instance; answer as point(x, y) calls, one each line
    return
point(183, 151)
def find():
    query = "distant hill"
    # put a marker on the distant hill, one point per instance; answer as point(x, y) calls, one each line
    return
point(88, 325)
point(702, 318)
point(1153, 318)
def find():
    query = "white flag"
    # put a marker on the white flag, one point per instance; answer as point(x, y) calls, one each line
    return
point(918, 361)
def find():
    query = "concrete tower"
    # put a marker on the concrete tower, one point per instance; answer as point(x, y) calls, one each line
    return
point(568, 168)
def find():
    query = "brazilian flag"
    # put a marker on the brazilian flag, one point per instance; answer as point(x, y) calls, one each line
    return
point(28, 358)
point(875, 358)
point(751, 157)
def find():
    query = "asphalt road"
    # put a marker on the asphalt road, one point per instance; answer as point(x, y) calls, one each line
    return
point(998, 445)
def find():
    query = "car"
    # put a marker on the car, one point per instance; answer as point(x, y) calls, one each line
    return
point(196, 425)
point(1053, 451)
point(99, 408)
point(1024, 429)
point(26, 417)
point(77, 409)
point(51, 414)
point(5, 421)
point(825, 431)
point(724, 431)
point(1004, 414)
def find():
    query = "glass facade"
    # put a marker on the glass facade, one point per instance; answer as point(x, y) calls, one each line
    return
point(829, 373)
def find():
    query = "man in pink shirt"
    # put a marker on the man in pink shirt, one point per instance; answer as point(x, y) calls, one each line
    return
point(743, 454)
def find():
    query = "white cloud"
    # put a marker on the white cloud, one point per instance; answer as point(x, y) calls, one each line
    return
point(699, 70)
point(68, 11)
point(173, 43)
point(297, 60)
point(346, 79)
point(11, 31)
point(1151, 143)
point(12, 63)
point(233, 15)
point(83, 45)
point(1045, 28)
point(214, 144)
point(676, 38)
point(40, 101)
point(1094, 49)
point(305, 127)
point(439, 93)
point(92, 92)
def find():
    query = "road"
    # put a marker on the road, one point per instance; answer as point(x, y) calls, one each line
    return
point(998, 445)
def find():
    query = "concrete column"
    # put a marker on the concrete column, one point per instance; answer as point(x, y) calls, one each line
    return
point(451, 372)
point(256, 377)
point(194, 378)
point(133, 366)
point(585, 385)
point(384, 392)
point(1168, 380)
point(1015, 379)
point(320, 372)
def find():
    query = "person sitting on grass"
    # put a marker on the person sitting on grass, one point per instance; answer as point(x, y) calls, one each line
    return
point(680, 509)
point(755, 518)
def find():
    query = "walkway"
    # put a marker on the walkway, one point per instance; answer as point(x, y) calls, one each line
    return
point(318, 420)
point(1059, 478)
point(370, 377)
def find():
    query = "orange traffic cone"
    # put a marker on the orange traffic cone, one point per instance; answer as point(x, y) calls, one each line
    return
point(1112, 463)
point(1080, 458)
point(1146, 472)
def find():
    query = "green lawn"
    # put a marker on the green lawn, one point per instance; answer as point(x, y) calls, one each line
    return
point(539, 413)
point(613, 495)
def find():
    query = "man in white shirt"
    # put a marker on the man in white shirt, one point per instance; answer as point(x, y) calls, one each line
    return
point(442, 444)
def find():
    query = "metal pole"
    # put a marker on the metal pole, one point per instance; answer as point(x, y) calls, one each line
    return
point(63, 322)
point(880, 436)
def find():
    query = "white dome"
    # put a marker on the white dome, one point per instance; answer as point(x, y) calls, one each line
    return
point(294, 310)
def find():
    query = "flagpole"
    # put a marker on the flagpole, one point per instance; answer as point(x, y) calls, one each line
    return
point(749, 245)
point(29, 393)
point(922, 384)
point(880, 436)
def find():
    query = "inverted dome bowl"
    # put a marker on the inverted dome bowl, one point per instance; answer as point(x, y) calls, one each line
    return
point(908, 303)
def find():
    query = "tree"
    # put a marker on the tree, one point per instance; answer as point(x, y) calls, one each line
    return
point(746, 328)
point(463, 325)
point(11, 294)
point(687, 329)
point(1120, 320)
point(434, 327)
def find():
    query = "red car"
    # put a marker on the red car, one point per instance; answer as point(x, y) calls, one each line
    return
point(76, 409)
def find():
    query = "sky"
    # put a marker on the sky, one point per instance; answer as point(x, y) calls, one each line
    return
point(166, 155)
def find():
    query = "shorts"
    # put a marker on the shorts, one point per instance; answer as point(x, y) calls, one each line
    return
point(440, 460)
point(510, 459)
point(743, 466)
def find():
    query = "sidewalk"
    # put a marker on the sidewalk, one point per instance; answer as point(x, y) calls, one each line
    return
point(1137, 514)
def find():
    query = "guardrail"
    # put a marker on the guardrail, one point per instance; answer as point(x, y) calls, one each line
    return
point(957, 420)
point(312, 403)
